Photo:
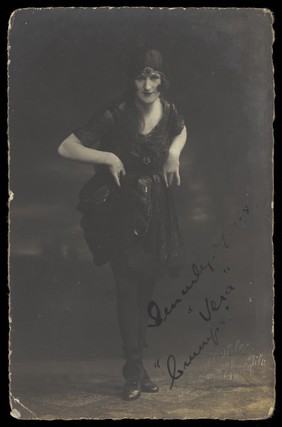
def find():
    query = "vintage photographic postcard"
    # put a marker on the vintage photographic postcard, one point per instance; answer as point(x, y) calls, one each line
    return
point(141, 214)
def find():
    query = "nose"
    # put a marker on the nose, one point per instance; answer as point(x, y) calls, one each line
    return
point(147, 84)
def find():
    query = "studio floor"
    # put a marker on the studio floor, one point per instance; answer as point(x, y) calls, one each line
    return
point(238, 387)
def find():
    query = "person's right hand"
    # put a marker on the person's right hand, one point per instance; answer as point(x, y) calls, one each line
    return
point(116, 167)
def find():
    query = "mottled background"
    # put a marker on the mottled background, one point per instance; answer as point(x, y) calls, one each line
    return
point(67, 63)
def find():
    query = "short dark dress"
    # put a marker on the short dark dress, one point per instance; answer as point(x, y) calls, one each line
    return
point(134, 227)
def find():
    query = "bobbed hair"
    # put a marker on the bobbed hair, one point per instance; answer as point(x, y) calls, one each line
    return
point(142, 58)
point(147, 58)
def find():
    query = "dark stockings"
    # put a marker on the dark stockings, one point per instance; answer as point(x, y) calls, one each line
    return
point(133, 296)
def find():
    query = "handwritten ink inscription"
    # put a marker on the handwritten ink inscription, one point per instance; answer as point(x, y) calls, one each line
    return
point(210, 308)
point(215, 305)
point(159, 316)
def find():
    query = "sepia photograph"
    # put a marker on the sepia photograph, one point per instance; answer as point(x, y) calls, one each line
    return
point(141, 213)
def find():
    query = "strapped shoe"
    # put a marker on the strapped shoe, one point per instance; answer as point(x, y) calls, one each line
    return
point(132, 389)
point(147, 386)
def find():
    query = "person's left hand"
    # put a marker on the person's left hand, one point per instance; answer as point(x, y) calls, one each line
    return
point(171, 168)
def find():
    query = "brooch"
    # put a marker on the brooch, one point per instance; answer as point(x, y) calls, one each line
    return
point(146, 160)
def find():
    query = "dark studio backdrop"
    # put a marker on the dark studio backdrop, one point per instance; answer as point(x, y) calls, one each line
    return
point(67, 63)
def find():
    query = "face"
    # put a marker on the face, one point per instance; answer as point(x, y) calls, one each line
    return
point(147, 84)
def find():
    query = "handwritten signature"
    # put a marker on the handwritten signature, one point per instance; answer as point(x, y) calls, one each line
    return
point(210, 307)
point(158, 315)
point(175, 373)
point(154, 311)
point(213, 306)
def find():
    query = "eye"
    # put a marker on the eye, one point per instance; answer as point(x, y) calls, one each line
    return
point(140, 77)
point(155, 77)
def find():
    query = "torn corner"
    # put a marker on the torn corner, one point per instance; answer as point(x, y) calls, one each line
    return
point(15, 413)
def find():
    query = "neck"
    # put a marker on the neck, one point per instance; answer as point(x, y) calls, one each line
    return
point(147, 109)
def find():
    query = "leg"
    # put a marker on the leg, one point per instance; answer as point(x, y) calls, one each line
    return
point(146, 288)
point(127, 311)
point(133, 295)
point(145, 293)
point(128, 320)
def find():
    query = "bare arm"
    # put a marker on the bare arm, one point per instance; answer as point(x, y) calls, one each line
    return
point(72, 149)
point(171, 165)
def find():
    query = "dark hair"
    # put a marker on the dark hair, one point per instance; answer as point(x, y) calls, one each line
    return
point(146, 58)
point(143, 58)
